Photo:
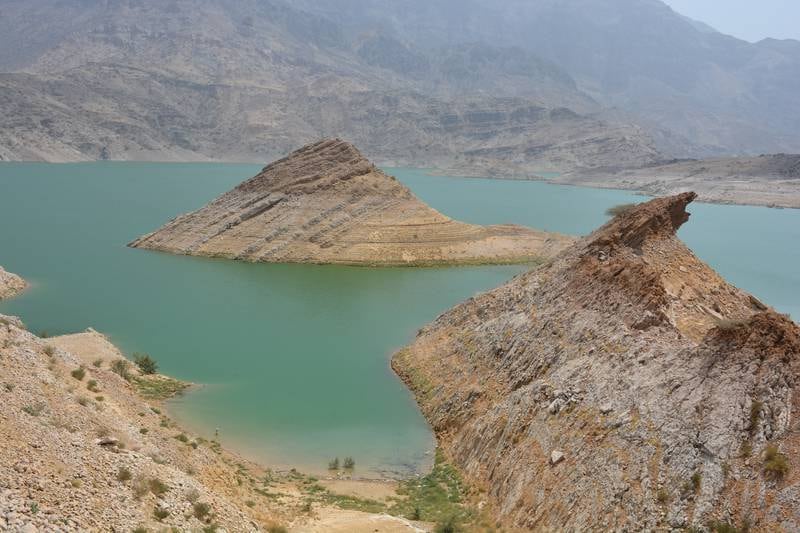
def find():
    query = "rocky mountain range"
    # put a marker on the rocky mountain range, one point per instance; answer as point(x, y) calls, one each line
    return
point(326, 203)
point(512, 86)
point(623, 386)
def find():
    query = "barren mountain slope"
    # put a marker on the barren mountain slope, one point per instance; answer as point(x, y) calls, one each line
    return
point(10, 284)
point(248, 80)
point(623, 385)
point(326, 203)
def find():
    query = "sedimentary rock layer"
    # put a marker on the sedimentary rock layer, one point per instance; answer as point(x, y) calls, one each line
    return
point(326, 203)
point(622, 386)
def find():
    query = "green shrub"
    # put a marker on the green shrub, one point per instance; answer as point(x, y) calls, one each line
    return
point(448, 525)
point(34, 409)
point(755, 414)
point(349, 463)
point(79, 373)
point(333, 464)
point(144, 431)
point(157, 486)
point(697, 480)
point(122, 368)
point(123, 474)
point(662, 496)
point(182, 437)
point(619, 209)
point(9, 387)
point(140, 529)
point(201, 510)
point(147, 365)
point(97, 363)
point(775, 463)
point(92, 385)
point(277, 529)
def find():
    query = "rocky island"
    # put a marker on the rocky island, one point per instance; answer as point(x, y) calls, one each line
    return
point(326, 203)
point(622, 386)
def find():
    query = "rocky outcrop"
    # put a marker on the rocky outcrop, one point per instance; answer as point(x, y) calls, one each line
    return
point(622, 386)
point(10, 284)
point(326, 203)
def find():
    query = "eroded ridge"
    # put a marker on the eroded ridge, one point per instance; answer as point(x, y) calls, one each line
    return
point(624, 385)
point(326, 203)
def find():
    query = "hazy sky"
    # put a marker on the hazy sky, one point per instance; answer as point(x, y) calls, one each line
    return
point(752, 20)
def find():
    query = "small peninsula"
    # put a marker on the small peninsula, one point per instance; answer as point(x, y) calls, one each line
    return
point(623, 386)
point(327, 204)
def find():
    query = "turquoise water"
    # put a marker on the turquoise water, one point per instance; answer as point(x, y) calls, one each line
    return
point(295, 359)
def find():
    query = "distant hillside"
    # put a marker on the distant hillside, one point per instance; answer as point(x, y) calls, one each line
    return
point(249, 80)
point(722, 94)
point(439, 83)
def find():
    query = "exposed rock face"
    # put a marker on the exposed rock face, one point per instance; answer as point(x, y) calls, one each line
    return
point(326, 203)
point(624, 385)
point(10, 284)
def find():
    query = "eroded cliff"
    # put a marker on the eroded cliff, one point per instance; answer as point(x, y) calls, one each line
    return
point(326, 203)
point(623, 386)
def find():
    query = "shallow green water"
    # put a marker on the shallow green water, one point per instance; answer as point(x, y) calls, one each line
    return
point(295, 358)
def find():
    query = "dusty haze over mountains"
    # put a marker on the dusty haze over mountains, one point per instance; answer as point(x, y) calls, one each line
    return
point(528, 85)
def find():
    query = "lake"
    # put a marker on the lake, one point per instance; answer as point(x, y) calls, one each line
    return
point(294, 359)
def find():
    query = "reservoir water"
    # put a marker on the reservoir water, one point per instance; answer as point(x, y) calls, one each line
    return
point(294, 360)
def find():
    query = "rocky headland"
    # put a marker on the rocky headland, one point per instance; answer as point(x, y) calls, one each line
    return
point(326, 203)
point(10, 284)
point(622, 386)
point(769, 180)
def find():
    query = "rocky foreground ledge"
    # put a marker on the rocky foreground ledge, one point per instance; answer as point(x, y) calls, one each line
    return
point(85, 445)
point(326, 203)
point(623, 386)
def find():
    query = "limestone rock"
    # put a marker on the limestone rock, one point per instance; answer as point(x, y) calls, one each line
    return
point(691, 393)
point(326, 203)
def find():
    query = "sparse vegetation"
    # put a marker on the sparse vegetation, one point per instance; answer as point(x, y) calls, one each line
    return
point(49, 350)
point(182, 437)
point(349, 463)
point(333, 464)
point(776, 464)
point(662, 496)
point(123, 474)
point(97, 363)
point(619, 209)
point(9, 387)
point(144, 431)
point(437, 497)
point(157, 487)
point(92, 385)
point(78, 373)
point(201, 510)
point(147, 365)
point(158, 387)
point(192, 496)
point(277, 529)
point(697, 481)
point(725, 527)
point(122, 368)
point(35, 409)
point(448, 525)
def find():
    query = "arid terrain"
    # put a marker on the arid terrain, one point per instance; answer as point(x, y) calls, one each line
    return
point(326, 203)
point(622, 386)
point(768, 180)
